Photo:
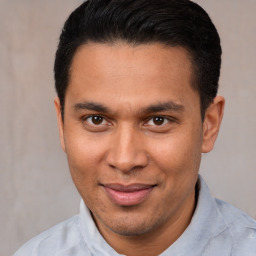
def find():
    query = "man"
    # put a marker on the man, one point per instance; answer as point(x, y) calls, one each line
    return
point(137, 105)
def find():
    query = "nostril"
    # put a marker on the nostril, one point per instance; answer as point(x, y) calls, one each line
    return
point(128, 168)
point(112, 166)
point(125, 155)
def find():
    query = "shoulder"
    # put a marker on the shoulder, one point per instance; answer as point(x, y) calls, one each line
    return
point(242, 228)
point(233, 215)
point(62, 239)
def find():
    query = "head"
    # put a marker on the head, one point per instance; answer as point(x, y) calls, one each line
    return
point(136, 107)
point(172, 23)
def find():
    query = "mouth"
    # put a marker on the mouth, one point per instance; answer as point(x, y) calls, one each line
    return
point(128, 195)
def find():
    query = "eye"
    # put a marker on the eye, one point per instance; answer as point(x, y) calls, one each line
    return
point(158, 121)
point(96, 120)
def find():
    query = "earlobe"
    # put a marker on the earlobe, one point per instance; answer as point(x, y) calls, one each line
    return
point(212, 121)
point(60, 122)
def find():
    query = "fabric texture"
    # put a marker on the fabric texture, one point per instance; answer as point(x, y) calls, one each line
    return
point(217, 228)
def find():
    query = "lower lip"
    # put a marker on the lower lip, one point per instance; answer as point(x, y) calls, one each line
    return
point(128, 198)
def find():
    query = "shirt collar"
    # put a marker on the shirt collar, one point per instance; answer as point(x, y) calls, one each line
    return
point(92, 237)
point(206, 223)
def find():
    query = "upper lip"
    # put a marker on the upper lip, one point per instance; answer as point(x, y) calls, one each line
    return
point(128, 188)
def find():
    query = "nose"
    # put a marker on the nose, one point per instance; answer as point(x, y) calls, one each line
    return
point(127, 151)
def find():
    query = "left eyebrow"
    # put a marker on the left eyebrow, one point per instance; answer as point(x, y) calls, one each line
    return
point(91, 106)
point(164, 106)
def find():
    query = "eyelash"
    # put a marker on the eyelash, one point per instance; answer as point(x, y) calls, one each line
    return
point(85, 119)
point(166, 121)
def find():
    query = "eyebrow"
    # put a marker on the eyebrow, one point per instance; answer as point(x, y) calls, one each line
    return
point(159, 107)
point(91, 106)
point(164, 106)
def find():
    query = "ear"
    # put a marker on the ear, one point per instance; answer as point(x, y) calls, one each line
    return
point(212, 121)
point(60, 122)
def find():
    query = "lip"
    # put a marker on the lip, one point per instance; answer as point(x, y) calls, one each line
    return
point(128, 195)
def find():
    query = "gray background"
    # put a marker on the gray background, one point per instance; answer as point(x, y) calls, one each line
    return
point(36, 190)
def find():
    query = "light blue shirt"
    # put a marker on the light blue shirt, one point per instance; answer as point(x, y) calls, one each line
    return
point(216, 229)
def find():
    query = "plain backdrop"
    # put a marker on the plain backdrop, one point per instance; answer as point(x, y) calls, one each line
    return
point(36, 190)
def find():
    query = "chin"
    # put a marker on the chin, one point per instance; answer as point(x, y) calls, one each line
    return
point(130, 226)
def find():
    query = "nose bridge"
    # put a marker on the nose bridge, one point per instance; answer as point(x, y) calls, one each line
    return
point(127, 151)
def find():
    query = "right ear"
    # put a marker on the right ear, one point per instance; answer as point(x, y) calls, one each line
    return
point(60, 122)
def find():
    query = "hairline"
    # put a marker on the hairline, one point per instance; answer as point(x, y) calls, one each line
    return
point(193, 78)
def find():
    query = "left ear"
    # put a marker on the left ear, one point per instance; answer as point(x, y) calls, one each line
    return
point(212, 121)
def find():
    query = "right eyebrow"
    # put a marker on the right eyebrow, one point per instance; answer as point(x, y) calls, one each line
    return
point(164, 106)
point(91, 106)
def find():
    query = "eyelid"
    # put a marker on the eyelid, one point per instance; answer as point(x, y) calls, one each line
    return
point(167, 118)
point(105, 120)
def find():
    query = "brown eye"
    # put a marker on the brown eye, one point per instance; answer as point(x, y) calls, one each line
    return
point(158, 120)
point(97, 120)
point(96, 123)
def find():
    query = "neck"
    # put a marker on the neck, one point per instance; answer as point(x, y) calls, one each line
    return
point(157, 240)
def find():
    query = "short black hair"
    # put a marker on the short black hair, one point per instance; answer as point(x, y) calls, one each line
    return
point(170, 22)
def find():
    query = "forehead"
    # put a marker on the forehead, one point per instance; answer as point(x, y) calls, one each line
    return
point(132, 73)
point(119, 58)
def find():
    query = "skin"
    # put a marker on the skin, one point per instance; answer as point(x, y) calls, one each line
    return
point(147, 130)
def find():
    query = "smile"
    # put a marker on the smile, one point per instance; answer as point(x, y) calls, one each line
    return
point(130, 195)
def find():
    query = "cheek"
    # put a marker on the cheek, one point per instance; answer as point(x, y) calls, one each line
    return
point(82, 148)
point(84, 158)
point(179, 160)
point(178, 154)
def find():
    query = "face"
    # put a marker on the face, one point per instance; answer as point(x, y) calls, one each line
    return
point(133, 135)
